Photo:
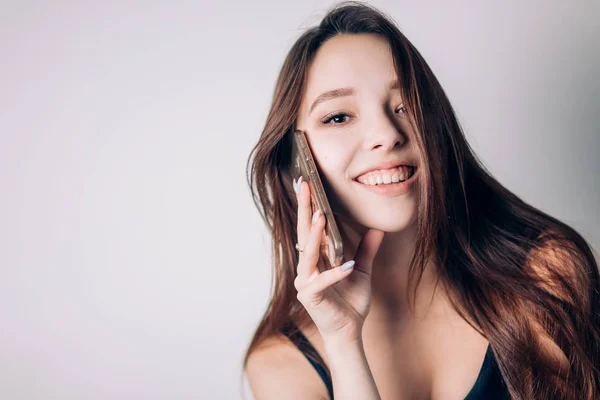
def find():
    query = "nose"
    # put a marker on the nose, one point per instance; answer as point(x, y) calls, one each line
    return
point(384, 135)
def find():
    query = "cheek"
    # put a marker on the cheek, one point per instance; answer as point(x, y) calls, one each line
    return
point(333, 158)
point(333, 166)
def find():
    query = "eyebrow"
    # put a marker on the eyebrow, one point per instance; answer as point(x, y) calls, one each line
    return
point(342, 92)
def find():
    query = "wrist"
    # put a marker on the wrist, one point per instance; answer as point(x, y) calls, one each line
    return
point(350, 335)
point(342, 343)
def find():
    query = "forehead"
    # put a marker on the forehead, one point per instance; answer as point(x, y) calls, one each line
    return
point(363, 61)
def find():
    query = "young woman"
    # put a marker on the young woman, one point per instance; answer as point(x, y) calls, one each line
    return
point(456, 288)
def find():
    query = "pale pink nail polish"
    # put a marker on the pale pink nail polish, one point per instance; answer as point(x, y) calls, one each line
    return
point(347, 265)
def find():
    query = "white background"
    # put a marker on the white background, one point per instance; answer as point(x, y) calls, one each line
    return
point(133, 264)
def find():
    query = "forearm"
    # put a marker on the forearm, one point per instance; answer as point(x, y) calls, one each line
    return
point(350, 372)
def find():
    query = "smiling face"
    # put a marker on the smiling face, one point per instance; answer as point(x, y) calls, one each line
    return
point(360, 127)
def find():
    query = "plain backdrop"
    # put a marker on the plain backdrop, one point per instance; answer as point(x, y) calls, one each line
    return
point(133, 264)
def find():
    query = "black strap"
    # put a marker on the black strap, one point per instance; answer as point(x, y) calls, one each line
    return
point(312, 355)
point(489, 385)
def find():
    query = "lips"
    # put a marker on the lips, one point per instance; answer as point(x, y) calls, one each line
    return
point(386, 176)
point(386, 166)
point(393, 189)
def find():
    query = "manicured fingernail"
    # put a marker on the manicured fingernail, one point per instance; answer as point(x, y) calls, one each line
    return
point(298, 184)
point(347, 265)
point(295, 185)
point(315, 216)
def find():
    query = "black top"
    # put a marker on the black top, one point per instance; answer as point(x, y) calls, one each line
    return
point(489, 384)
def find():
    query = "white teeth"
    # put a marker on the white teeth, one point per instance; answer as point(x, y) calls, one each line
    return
point(386, 178)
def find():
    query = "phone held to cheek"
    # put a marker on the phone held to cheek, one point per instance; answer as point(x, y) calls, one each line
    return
point(303, 164)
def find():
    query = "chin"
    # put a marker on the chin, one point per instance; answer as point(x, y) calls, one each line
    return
point(387, 214)
point(389, 221)
point(390, 226)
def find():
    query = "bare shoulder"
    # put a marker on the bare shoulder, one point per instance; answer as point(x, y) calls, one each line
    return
point(277, 369)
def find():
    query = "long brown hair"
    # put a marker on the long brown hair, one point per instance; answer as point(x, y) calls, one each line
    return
point(511, 270)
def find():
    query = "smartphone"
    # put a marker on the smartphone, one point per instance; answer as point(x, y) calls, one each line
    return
point(303, 164)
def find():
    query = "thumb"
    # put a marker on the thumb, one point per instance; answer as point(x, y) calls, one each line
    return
point(367, 249)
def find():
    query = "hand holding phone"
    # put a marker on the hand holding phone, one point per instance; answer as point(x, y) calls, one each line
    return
point(303, 164)
point(337, 299)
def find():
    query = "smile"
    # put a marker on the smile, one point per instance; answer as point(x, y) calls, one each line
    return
point(386, 177)
point(392, 188)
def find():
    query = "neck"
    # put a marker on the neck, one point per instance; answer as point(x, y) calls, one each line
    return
point(390, 271)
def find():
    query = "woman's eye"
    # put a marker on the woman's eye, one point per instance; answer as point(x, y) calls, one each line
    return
point(339, 118)
point(336, 118)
